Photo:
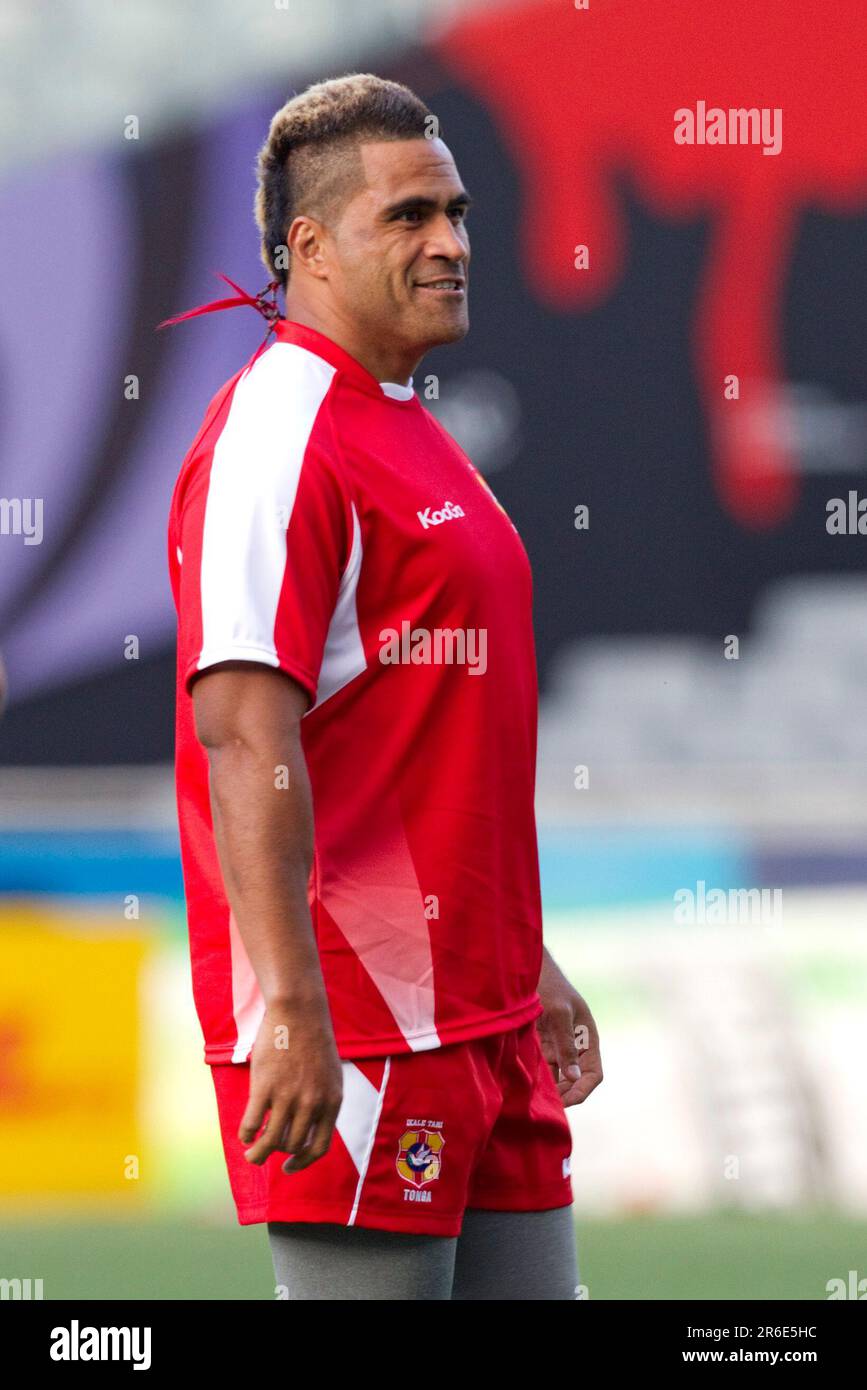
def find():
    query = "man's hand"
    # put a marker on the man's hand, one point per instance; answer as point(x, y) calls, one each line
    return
point(295, 1073)
point(568, 1034)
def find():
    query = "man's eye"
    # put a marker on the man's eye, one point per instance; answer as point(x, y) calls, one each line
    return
point(458, 213)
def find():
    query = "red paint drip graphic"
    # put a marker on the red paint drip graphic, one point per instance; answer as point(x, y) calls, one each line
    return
point(579, 93)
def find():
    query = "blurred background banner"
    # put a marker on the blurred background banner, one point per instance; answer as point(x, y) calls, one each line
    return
point(665, 382)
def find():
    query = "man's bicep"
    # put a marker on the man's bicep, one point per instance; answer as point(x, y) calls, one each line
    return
point(242, 701)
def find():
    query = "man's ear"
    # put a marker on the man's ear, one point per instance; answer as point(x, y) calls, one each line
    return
point(307, 243)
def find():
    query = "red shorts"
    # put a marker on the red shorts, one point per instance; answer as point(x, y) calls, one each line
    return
point(419, 1138)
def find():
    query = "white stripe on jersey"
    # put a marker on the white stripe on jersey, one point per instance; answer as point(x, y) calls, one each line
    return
point(343, 657)
point(251, 492)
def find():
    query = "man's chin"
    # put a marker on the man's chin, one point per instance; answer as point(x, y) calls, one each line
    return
point(438, 334)
point(419, 333)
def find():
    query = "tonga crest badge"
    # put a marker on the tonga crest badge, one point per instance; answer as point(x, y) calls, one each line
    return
point(419, 1156)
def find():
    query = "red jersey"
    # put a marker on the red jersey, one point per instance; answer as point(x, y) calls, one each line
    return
point(325, 524)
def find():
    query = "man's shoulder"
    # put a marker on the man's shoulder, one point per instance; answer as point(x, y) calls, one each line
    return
point(275, 405)
point(286, 373)
point(280, 390)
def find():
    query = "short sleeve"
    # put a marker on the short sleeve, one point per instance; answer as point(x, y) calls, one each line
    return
point(264, 536)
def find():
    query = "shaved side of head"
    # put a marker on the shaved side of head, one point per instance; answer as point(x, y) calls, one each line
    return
point(311, 161)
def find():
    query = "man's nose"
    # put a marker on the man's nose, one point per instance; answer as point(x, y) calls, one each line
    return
point(447, 243)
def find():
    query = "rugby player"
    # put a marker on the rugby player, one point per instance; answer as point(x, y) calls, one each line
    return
point(355, 793)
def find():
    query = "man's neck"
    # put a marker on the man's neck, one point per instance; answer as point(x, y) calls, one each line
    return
point(383, 366)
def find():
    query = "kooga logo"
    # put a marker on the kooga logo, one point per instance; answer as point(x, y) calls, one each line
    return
point(448, 511)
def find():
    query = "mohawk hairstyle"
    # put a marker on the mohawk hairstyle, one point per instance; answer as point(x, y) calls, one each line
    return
point(310, 161)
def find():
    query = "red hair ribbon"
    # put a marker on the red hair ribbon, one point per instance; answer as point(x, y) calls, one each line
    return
point(265, 301)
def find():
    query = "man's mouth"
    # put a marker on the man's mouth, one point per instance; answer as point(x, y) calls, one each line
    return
point(446, 287)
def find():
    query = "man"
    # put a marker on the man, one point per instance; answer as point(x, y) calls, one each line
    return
point(356, 742)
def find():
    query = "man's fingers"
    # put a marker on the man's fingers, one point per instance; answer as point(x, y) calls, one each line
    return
point(253, 1117)
point(565, 1043)
point(574, 1092)
point(318, 1141)
point(305, 1122)
point(270, 1137)
point(550, 1043)
point(290, 1133)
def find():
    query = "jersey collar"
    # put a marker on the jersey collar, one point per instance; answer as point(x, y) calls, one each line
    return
point(288, 331)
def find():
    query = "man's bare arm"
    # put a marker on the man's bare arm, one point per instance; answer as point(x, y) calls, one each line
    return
point(248, 719)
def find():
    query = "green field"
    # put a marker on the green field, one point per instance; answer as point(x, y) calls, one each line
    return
point(729, 1256)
